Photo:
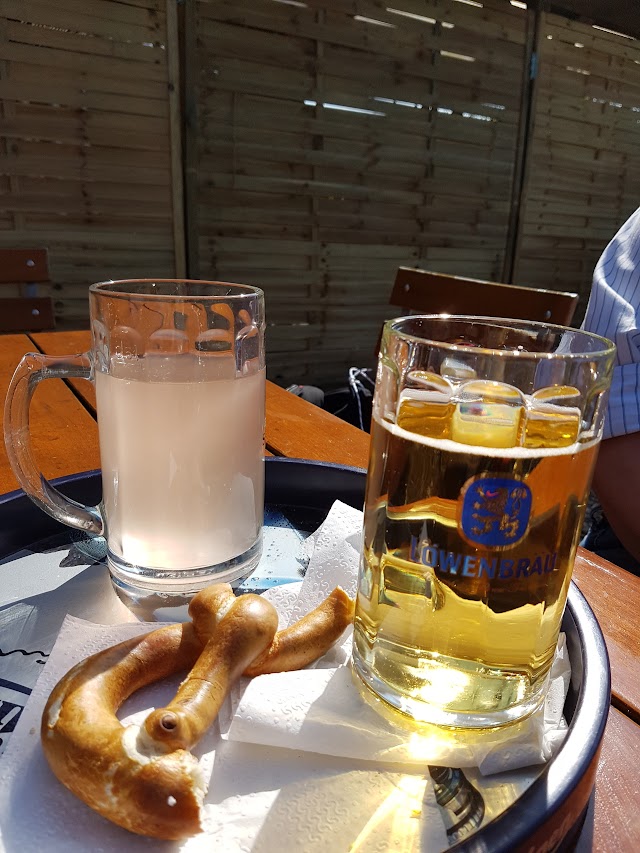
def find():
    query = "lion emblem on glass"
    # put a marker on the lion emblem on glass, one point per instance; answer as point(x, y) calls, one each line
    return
point(495, 511)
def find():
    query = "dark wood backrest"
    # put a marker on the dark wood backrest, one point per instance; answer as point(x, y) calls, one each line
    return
point(26, 314)
point(23, 265)
point(26, 268)
point(436, 293)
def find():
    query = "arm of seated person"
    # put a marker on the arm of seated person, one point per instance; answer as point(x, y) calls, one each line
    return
point(616, 482)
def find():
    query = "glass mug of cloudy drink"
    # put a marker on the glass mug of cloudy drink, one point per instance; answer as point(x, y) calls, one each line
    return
point(179, 373)
point(484, 438)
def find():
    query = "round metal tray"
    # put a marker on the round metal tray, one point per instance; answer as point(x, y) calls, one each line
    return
point(549, 814)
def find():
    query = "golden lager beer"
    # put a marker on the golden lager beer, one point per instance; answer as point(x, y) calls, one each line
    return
point(475, 499)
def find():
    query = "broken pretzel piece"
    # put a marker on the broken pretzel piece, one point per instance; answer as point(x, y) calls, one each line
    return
point(144, 778)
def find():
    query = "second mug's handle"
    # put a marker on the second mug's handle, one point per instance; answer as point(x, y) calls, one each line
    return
point(33, 368)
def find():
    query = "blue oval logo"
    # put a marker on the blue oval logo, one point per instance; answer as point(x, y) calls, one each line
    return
point(495, 511)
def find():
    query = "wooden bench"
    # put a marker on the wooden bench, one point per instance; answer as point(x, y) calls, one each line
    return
point(22, 273)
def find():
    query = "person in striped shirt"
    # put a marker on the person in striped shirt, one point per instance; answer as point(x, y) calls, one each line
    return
point(614, 313)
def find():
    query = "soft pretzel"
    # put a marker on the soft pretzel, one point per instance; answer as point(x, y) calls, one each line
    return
point(144, 778)
point(308, 639)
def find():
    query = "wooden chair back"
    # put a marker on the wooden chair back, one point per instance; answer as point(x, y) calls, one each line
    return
point(22, 273)
point(435, 293)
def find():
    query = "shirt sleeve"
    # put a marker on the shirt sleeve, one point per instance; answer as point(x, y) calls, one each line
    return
point(614, 313)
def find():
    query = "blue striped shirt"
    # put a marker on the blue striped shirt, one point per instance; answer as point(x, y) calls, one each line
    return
point(614, 313)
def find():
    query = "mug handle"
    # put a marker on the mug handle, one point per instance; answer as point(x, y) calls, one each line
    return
point(33, 368)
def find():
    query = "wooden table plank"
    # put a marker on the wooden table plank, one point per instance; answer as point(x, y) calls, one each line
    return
point(64, 435)
point(62, 343)
point(69, 343)
point(614, 595)
point(616, 818)
point(296, 428)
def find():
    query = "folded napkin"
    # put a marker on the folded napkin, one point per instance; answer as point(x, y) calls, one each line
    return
point(321, 710)
point(315, 770)
point(260, 799)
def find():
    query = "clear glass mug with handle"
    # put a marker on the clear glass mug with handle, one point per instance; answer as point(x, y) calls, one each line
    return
point(484, 438)
point(179, 371)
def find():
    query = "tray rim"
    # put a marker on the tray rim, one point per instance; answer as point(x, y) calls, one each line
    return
point(6, 497)
point(515, 827)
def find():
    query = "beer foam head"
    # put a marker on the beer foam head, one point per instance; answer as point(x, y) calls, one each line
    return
point(516, 452)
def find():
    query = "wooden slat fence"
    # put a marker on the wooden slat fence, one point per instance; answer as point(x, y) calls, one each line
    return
point(584, 174)
point(85, 141)
point(339, 140)
point(322, 144)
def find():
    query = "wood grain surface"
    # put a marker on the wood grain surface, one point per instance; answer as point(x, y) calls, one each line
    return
point(64, 436)
point(87, 91)
point(294, 428)
point(614, 595)
point(615, 821)
point(69, 343)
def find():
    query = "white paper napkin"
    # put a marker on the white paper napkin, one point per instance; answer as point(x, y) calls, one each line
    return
point(321, 710)
point(263, 797)
point(260, 799)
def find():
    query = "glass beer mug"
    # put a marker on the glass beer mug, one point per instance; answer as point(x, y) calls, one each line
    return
point(179, 373)
point(484, 438)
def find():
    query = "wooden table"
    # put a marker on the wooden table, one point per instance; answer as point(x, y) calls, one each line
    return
point(65, 435)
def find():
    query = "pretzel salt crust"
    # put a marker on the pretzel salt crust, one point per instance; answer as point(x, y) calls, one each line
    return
point(144, 778)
